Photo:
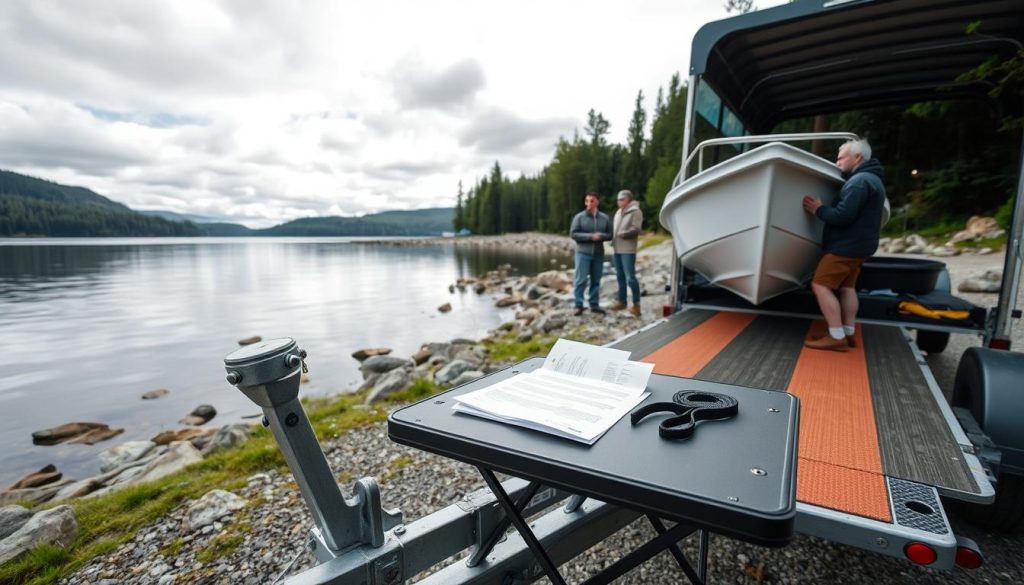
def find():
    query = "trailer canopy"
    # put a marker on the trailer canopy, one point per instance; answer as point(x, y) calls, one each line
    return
point(813, 56)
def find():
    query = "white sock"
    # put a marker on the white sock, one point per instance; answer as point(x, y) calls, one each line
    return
point(837, 332)
point(849, 330)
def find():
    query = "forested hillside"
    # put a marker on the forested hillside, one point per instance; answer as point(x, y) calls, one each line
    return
point(34, 207)
point(944, 162)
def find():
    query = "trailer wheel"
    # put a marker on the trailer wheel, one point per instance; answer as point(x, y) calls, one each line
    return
point(987, 384)
point(932, 341)
point(1006, 513)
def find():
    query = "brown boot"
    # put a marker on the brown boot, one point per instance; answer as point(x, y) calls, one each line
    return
point(635, 309)
point(618, 306)
point(827, 342)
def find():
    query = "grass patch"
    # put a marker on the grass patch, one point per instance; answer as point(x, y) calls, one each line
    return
point(219, 547)
point(996, 243)
point(172, 550)
point(507, 349)
point(106, 522)
point(420, 389)
point(650, 240)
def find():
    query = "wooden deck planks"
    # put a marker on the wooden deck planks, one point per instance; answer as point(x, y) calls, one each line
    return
point(764, 355)
point(915, 440)
point(656, 337)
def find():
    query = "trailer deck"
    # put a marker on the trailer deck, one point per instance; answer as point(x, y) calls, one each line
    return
point(869, 414)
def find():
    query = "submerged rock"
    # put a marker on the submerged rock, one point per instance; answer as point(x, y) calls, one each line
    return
point(200, 416)
point(362, 354)
point(75, 432)
point(445, 308)
point(46, 475)
point(250, 340)
point(154, 394)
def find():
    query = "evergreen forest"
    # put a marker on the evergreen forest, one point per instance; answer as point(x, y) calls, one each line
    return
point(944, 162)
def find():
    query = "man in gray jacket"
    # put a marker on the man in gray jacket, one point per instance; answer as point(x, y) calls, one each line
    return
point(590, 229)
point(626, 230)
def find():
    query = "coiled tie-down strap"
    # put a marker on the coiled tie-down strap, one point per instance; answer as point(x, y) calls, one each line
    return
point(689, 406)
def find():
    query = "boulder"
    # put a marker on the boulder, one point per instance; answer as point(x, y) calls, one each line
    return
point(916, 240)
point(944, 251)
point(896, 246)
point(389, 383)
point(989, 281)
point(200, 416)
point(379, 364)
point(36, 495)
point(46, 475)
point(467, 377)
point(554, 279)
point(154, 394)
point(524, 336)
point(463, 341)
point(226, 437)
point(470, 356)
point(528, 315)
point(507, 302)
point(118, 456)
point(369, 382)
point(68, 432)
point(914, 249)
point(552, 321)
point(168, 437)
point(178, 456)
point(451, 371)
point(213, 506)
point(534, 291)
point(445, 308)
point(250, 340)
point(362, 354)
point(11, 519)
point(421, 356)
point(437, 360)
point(479, 288)
point(56, 526)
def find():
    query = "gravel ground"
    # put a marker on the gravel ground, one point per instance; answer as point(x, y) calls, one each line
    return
point(269, 533)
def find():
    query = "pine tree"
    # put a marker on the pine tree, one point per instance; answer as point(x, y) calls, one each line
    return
point(635, 170)
point(460, 215)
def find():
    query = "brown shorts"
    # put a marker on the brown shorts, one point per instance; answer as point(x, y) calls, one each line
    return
point(837, 272)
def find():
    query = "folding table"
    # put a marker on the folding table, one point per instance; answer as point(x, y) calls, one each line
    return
point(734, 477)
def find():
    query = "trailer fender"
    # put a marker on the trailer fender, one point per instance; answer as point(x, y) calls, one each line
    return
point(990, 384)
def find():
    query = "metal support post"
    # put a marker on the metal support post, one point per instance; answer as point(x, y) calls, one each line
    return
point(268, 374)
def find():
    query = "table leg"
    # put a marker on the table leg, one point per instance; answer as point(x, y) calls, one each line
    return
point(702, 552)
point(524, 530)
point(499, 530)
point(695, 577)
point(652, 547)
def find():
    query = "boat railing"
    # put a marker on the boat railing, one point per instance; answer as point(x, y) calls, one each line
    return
point(794, 137)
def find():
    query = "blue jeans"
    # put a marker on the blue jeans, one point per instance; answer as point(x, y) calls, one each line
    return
point(625, 273)
point(588, 266)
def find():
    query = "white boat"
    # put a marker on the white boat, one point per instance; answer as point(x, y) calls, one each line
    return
point(741, 223)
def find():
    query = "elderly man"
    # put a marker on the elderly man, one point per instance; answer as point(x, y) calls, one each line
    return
point(852, 223)
point(626, 230)
point(590, 229)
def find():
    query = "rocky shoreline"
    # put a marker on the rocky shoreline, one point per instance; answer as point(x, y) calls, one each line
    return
point(266, 521)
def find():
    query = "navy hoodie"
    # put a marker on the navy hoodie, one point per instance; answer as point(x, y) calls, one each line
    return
point(854, 218)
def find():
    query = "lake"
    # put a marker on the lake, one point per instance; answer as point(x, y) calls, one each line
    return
point(89, 325)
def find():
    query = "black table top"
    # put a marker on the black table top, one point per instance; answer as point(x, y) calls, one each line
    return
point(735, 477)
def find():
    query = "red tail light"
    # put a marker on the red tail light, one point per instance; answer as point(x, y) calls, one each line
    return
point(996, 343)
point(920, 553)
point(968, 558)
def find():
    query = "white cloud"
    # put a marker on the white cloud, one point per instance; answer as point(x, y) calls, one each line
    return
point(264, 111)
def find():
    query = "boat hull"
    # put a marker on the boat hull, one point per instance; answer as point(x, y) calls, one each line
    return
point(741, 224)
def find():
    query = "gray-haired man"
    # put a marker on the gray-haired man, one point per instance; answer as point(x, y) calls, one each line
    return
point(625, 233)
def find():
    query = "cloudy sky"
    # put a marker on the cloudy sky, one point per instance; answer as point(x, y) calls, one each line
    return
point(262, 111)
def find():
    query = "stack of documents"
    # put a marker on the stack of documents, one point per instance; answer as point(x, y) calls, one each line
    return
point(579, 393)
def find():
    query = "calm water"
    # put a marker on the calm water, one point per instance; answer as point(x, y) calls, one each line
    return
point(89, 325)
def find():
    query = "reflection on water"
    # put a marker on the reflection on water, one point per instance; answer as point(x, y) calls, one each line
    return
point(90, 325)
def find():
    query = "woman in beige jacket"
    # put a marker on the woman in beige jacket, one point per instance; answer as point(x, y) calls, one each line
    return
point(625, 232)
